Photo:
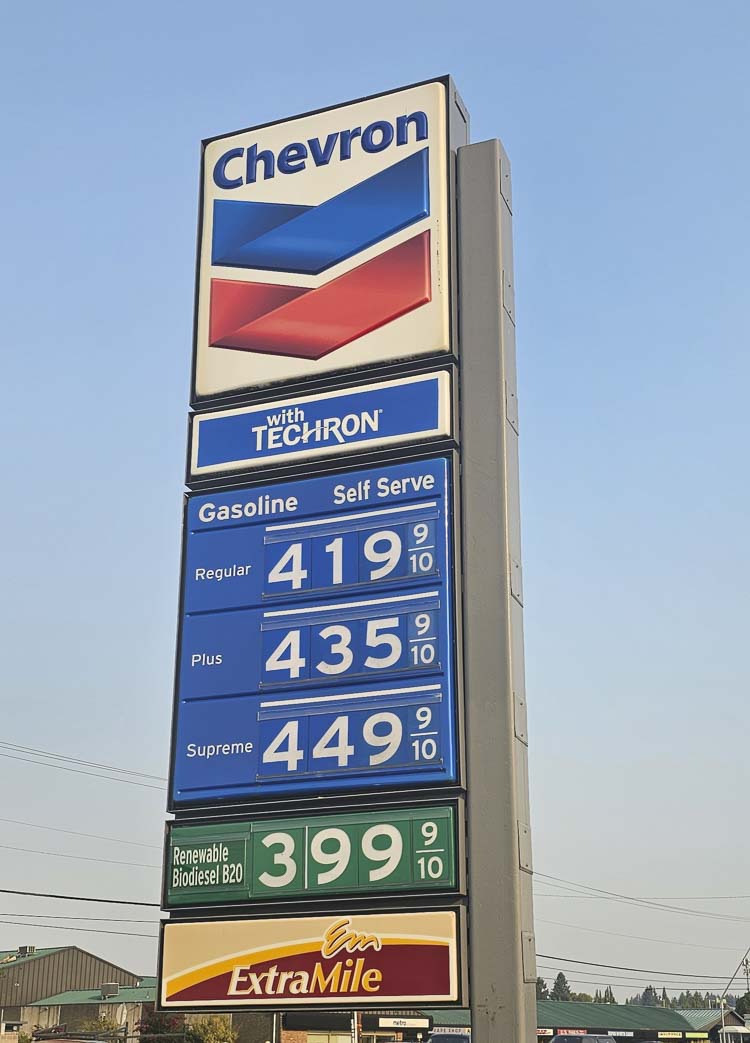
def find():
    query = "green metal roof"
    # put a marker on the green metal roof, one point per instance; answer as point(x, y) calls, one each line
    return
point(563, 1014)
point(449, 1018)
point(125, 994)
point(706, 1019)
point(6, 955)
point(554, 1014)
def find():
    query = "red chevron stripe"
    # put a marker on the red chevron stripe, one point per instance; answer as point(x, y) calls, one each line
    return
point(305, 323)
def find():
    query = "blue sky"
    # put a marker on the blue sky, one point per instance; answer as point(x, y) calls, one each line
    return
point(627, 129)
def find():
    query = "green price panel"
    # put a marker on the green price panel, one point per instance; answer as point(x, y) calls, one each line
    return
point(402, 849)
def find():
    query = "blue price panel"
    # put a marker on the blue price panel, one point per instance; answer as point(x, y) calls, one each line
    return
point(317, 641)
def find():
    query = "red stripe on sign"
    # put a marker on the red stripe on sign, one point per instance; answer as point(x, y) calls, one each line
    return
point(292, 320)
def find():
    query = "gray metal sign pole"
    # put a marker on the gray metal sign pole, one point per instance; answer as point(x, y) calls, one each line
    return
point(501, 938)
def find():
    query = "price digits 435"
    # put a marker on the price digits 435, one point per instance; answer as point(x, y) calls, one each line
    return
point(408, 641)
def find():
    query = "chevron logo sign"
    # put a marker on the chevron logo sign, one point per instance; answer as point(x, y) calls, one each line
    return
point(324, 249)
point(306, 322)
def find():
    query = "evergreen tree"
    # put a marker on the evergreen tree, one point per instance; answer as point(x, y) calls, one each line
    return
point(561, 989)
point(649, 997)
point(581, 997)
point(598, 997)
point(742, 1007)
point(664, 998)
point(542, 992)
point(609, 996)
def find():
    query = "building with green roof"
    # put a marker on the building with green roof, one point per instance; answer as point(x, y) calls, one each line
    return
point(127, 1005)
point(710, 1021)
point(27, 974)
point(75, 1007)
point(626, 1022)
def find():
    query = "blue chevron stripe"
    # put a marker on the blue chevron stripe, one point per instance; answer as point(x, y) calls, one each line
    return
point(308, 240)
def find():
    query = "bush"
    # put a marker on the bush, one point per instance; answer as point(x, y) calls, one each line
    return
point(156, 1027)
point(214, 1028)
point(103, 1025)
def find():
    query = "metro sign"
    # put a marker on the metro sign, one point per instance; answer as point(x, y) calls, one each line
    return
point(324, 243)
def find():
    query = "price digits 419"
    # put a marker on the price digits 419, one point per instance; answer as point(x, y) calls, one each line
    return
point(349, 558)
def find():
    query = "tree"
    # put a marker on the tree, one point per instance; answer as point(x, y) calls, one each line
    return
point(649, 997)
point(542, 992)
point(598, 998)
point(156, 1027)
point(104, 1025)
point(742, 1007)
point(214, 1028)
point(561, 989)
point(609, 996)
point(581, 997)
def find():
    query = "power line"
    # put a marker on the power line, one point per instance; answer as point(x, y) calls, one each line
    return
point(627, 983)
point(75, 833)
point(641, 902)
point(637, 970)
point(638, 937)
point(653, 898)
point(93, 919)
point(86, 930)
point(78, 898)
point(79, 760)
point(79, 771)
point(558, 881)
point(80, 858)
point(618, 979)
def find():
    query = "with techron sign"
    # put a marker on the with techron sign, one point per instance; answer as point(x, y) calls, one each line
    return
point(324, 243)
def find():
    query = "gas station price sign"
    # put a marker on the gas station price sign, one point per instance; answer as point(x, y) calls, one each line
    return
point(317, 636)
point(402, 849)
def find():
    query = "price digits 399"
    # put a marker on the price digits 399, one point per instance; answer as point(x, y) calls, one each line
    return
point(329, 853)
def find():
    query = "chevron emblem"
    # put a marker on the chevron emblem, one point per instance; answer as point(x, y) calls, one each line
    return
point(304, 322)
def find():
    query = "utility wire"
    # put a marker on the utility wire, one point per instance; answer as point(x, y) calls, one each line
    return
point(79, 771)
point(78, 898)
point(86, 930)
point(80, 858)
point(621, 981)
point(638, 937)
point(75, 833)
point(637, 970)
point(616, 979)
point(637, 983)
point(642, 902)
point(93, 919)
point(78, 760)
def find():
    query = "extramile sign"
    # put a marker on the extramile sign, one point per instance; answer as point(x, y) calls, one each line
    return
point(339, 960)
